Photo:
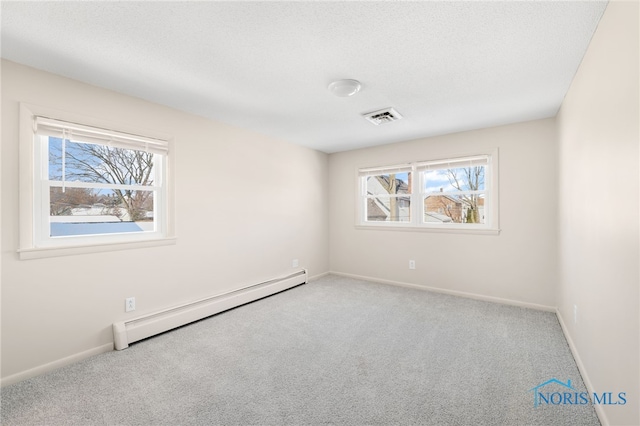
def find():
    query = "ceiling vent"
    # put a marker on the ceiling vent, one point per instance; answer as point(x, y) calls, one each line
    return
point(386, 115)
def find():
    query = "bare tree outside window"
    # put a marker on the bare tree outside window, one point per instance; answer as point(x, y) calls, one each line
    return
point(95, 163)
point(468, 179)
point(63, 202)
point(455, 194)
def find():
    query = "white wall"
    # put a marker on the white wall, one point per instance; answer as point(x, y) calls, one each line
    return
point(246, 205)
point(518, 265)
point(598, 130)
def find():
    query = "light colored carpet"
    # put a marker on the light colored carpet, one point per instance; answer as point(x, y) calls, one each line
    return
point(334, 351)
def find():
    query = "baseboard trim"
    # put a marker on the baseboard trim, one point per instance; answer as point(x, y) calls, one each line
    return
point(317, 277)
point(452, 292)
point(54, 365)
point(602, 416)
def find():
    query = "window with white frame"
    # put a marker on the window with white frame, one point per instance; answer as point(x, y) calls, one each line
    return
point(93, 186)
point(387, 194)
point(454, 193)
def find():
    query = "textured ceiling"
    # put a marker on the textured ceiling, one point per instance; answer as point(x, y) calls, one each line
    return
point(445, 66)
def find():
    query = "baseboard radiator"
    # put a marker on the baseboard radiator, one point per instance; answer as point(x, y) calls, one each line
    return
point(136, 329)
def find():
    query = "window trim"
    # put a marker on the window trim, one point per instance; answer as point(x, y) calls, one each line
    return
point(416, 225)
point(28, 247)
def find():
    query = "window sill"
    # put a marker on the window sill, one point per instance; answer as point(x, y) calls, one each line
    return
point(438, 230)
point(43, 252)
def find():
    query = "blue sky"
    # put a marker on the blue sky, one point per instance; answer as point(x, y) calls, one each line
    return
point(436, 179)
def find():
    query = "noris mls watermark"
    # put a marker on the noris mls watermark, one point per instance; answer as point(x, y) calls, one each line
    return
point(555, 392)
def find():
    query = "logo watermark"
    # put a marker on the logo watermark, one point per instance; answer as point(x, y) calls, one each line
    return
point(556, 392)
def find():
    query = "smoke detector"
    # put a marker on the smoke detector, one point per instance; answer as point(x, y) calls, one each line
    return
point(386, 115)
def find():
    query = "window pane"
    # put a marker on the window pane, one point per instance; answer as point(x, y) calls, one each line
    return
point(86, 162)
point(386, 184)
point(83, 211)
point(388, 209)
point(55, 158)
point(454, 209)
point(456, 179)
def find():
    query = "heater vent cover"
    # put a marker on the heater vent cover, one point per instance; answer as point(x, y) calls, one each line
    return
point(381, 116)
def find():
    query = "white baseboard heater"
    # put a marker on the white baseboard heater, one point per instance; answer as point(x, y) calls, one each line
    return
point(126, 332)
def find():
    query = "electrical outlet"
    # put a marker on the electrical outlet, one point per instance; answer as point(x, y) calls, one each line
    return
point(295, 263)
point(412, 264)
point(130, 304)
point(575, 314)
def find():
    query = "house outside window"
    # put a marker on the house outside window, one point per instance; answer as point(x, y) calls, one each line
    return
point(448, 194)
point(456, 189)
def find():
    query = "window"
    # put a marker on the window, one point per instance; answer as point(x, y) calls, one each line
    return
point(454, 191)
point(90, 186)
point(388, 195)
point(448, 194)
